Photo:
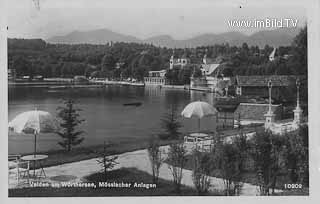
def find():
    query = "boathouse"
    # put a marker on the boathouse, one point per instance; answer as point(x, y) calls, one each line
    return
point(248, 113)
point(156, 78)
point(258, 85)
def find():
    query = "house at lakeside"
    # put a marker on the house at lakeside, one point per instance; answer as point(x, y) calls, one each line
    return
point(12, 75)
point(247, 113)
point(178, 62)
point(257, 85)
point(211, 80)
point(156, 78)
point(272, 56)
point(159, 77)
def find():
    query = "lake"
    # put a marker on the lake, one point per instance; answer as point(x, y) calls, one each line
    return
point(107, 119)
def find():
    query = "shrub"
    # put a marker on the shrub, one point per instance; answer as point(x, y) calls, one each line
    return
point(107, 162)
point(200, 172)
point(267, 152)
point(225, 158)
point(177, 159)
point(156, 159)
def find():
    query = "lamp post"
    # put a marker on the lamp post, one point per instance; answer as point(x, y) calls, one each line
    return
point(298, 97)
point(297, 112)
point(270, 117)
point(270, 89)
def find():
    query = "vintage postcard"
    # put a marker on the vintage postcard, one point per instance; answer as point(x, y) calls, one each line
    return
point(159, 98)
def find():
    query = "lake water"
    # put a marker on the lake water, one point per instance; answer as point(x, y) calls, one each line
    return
point(106, 117)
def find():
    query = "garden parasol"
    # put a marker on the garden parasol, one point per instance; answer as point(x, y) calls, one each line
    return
point(34, 122)
point(198, 109)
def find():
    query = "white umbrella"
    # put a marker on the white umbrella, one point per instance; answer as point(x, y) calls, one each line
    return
point(198, 109)
point(34, 122)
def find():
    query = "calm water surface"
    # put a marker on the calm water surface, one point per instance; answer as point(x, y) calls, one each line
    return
point(106, 117)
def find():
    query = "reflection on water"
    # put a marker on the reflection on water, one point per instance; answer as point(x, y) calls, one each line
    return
point(106, 117)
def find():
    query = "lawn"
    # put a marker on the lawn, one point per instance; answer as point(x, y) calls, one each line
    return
point(58, 157)
point(123, 175)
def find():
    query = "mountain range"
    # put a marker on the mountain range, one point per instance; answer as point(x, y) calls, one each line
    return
point(276, 37)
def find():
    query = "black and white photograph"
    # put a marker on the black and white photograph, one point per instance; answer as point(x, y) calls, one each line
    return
point(157, 98)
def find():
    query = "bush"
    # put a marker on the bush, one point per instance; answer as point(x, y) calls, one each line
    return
point(156, 159)
point(177, 159)
point(226, 160)
point(200, 172)
point(267, 153)
point(107, 162)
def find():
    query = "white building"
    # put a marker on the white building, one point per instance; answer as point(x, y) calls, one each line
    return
point(156, 78)
point(272, 55)
point(210, 79)
point(181, 62)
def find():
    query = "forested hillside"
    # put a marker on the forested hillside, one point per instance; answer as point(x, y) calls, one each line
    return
point(36, 57)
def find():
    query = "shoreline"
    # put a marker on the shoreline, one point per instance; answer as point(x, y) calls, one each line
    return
point(98, 84)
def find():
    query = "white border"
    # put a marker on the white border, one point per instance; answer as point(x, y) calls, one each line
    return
point(313, 11)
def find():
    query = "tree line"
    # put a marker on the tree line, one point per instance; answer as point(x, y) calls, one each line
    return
point(123, 60)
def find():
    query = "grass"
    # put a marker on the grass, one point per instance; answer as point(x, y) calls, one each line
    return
point(58, 157)
point(125, 175)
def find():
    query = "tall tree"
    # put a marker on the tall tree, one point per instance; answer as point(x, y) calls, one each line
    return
point(69, 122)
point(296, 157)
point(170, 124)
point(267, 152)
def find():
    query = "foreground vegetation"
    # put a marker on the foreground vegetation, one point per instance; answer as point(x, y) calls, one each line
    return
point(125, 175)
point(266, 160)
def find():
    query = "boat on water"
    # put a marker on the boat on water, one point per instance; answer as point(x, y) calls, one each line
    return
point(133, 104)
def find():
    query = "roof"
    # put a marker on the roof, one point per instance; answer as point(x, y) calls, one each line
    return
point(209, 68)
point(253, 111)
point(273, 53)
point(160, 71)
point(226, 107)
point(262, 80)
point(184, 56)
point(209, 60)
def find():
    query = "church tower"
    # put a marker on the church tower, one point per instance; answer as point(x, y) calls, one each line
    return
point(172, 60)
point(184, 59)
point(204, 60)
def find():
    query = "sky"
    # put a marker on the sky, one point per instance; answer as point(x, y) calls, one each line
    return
point(180, 19)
